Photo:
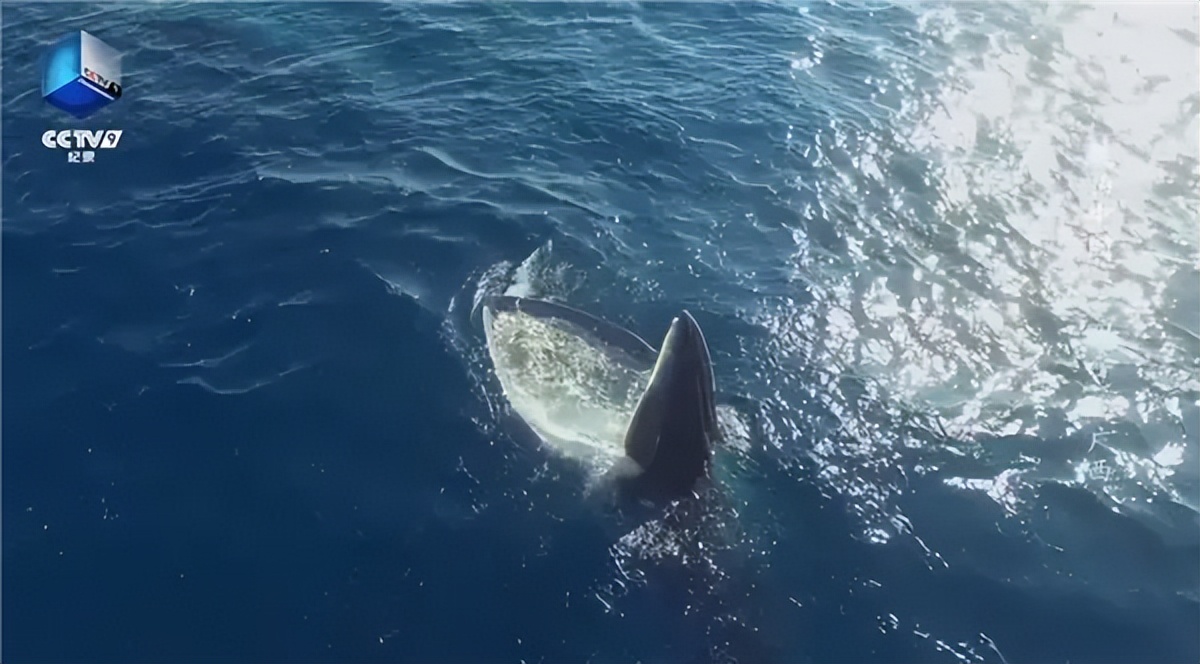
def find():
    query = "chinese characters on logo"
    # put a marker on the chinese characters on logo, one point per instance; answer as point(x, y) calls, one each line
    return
point(81, 75)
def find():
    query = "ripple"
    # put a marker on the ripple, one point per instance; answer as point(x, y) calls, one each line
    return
point(945, 257)
point(1033, 239)
point(210, 362)
point(236, 388)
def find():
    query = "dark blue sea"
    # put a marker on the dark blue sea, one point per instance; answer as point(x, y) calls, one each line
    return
point(945, 256)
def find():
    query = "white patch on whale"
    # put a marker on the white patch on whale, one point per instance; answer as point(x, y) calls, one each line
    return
point(576, 394)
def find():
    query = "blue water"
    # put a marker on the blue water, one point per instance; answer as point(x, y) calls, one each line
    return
point(944, 255)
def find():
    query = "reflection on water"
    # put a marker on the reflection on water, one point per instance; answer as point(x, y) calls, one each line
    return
point(1044, 281)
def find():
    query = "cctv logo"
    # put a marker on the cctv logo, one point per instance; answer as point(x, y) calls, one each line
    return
point(81, 142)
point(81, 75)
point(82, 139)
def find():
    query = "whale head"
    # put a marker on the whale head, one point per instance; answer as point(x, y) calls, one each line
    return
point(670, 436)
point(593, 390)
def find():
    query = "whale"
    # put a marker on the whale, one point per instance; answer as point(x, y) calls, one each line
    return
point(643, 418)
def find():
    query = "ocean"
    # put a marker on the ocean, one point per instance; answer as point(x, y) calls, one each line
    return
point(945, 256)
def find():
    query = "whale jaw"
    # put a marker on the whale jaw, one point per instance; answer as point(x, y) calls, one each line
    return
point(597, 392)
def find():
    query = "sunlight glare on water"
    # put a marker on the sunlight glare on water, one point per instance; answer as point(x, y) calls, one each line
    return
point(1045, 283)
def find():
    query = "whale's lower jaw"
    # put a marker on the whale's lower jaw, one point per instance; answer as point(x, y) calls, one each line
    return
point(600, 394)
point(573, 391)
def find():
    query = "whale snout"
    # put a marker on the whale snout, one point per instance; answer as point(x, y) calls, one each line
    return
point(684, 335)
